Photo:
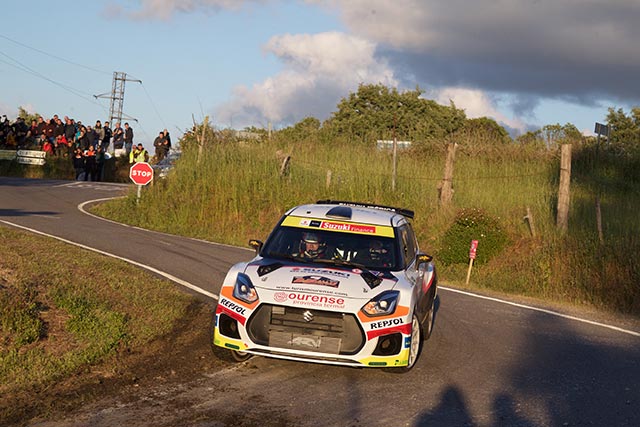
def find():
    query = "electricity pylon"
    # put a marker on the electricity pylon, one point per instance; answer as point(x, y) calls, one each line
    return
point(117, 97)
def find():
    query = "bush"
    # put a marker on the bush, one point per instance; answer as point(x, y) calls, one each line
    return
point(472, 224)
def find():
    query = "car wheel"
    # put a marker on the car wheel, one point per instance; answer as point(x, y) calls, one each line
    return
point(416, 342)
point(414, 348)
point(428, 321)
point(227, 355)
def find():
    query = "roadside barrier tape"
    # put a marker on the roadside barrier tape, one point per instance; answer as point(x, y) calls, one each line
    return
point(542, 310)
point(138, 264)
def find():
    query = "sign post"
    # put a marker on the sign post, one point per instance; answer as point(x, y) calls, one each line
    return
point(472, 256)
point(141, 173)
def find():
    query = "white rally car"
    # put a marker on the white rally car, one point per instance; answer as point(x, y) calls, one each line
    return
point(336, 282)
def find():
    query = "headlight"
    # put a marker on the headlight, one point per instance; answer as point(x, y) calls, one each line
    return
point(244, 290)
point(383, 304)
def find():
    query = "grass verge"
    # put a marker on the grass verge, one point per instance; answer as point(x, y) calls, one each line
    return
point(64, 310)
point(233, 192)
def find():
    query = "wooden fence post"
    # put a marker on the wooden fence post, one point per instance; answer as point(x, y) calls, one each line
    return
point(599, 220)
point(529, 219)
point(563, 191)
point(284, 169)
point(328, 181)
point(445, 188)
point(205, 125)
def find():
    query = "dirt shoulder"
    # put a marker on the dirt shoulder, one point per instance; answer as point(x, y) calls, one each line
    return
point(182, 356)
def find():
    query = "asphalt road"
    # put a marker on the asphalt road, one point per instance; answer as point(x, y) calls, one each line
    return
point(488, 363)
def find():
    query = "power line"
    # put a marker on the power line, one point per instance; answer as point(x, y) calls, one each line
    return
point(53, 56)
point(65, 87)
point(154, 106)
point(33, 72)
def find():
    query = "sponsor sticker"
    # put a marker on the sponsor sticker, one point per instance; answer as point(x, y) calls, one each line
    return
point(321, 271)
point(280, 297)
point(308, 300)
point(338, 226)
point(352, 228)
point(330, 291)
point(315, 280)
point(233, 306)
point(385, 323)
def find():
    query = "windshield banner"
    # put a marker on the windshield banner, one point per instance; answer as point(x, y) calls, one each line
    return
point(340, 226)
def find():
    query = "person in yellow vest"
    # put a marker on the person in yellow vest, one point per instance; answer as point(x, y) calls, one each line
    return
point(138, 154)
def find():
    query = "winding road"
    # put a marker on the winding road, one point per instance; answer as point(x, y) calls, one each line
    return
point(489, 362)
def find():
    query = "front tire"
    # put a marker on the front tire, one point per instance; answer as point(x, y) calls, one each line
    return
point(416, 342)
point(415, 347)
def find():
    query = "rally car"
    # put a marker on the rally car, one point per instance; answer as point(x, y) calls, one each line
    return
point(335, 282)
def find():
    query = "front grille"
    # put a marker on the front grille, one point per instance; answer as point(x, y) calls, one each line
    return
point(305, 329)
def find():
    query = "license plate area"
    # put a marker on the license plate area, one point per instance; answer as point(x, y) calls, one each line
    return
point(305, 342)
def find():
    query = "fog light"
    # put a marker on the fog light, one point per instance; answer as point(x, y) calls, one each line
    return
point(388, 345)
point(228, 326)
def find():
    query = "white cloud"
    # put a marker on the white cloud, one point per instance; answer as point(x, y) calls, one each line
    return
point(318, 70)
point(476, 103)
point(528, 50)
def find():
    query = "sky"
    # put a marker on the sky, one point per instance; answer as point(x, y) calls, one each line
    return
point(524, 63)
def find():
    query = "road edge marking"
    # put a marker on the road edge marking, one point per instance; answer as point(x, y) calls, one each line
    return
point(543, 310)
point(82, 209)
point(136, 263)
point(215, 297)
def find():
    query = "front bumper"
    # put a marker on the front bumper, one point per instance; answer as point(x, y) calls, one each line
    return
point(318, 336)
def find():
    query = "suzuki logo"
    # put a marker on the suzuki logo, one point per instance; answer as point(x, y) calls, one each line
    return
point(307, 316)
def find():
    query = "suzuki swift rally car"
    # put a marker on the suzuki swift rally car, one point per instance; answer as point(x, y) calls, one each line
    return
point(337, 283)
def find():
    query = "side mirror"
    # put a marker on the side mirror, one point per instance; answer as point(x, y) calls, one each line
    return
point(256, 245)
point(422, 259)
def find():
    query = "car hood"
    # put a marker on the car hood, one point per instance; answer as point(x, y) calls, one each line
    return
point(319, 279)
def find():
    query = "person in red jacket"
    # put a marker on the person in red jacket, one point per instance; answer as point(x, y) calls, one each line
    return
point(47, 147)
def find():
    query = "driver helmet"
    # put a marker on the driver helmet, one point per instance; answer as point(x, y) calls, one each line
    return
point(377, 251)
point(311, 245)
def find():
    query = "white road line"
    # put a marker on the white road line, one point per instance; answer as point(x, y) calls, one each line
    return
point(542, 310)
point(138, 264)
point(209, 294)
point(81, 208)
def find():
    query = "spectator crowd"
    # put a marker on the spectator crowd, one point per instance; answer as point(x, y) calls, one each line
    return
point(87, 146)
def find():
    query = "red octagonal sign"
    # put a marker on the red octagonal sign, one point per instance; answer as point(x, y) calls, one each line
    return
point(141, 173)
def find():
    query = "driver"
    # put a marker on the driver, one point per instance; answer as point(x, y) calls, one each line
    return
point(311, 246)
point(379, 254)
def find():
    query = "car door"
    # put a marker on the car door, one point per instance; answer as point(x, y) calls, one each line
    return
point(409, 246)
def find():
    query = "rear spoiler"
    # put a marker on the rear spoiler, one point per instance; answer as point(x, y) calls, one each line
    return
point(404, 212)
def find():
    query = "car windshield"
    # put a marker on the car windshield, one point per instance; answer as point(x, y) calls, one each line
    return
point(310, 245)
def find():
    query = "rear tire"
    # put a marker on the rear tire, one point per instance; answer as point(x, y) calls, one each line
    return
point(428, 321)
point(227, 355)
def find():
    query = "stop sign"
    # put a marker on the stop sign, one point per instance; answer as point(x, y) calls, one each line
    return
point(141, 173)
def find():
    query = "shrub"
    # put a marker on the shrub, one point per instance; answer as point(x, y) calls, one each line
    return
point(472, 224)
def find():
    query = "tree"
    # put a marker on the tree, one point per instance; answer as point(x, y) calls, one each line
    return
point(28, 117)
point(557, 134)
point(484, 130)
point(378, 112)
point(624, 130)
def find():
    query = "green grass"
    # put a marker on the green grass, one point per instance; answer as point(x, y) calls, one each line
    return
point(63, 308)
point(236, 193)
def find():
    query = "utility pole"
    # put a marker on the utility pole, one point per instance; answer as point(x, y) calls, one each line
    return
point(117, 97)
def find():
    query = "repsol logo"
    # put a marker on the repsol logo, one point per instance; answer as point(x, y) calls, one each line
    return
point(385, 323)
point(233, 306)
